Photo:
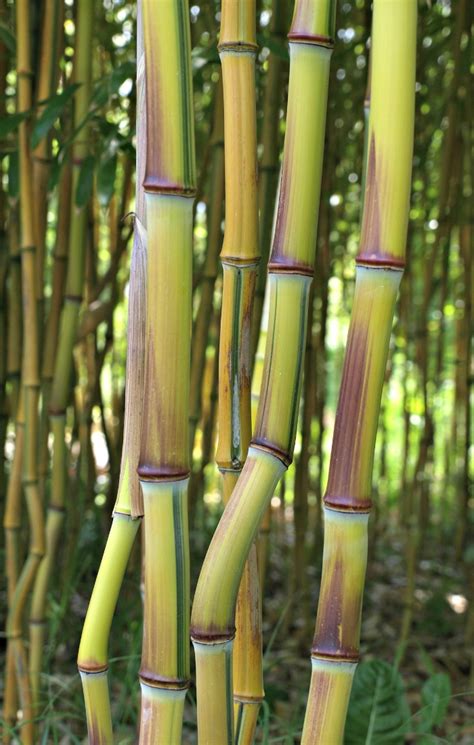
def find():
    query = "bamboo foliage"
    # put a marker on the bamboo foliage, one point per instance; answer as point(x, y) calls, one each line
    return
point(379, 264)
point(290, 272)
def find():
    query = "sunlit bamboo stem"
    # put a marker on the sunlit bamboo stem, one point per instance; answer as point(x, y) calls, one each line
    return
point(169, 186)
point(380, 262)
point(290, 273)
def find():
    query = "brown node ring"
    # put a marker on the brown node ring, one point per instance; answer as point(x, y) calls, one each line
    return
point(274, 450)
point(319, 41)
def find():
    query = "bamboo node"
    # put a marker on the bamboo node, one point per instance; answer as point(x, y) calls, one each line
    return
point(344, 503)
point(223, 636)
point(282, 267)
point(336, 657)
point(148, 472)
point(239, 262)
point(153, 185)
point(75, 299)
point(92, 668)
point(381, 261)
point(153, 680)
point(274, 450)
point(237, 47)
point(257, 700)
point(320, 41)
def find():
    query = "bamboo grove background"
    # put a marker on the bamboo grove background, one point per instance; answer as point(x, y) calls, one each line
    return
point(69, 101)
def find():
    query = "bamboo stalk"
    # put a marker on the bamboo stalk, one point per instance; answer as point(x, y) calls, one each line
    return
point(290, 273)
point(30, 381)
point(380, 263)
point(269, 168)
point(48, 69)
point(210, 269)
point(240, 257)
point(93, 656)
point(169, 186)
point(67, 331)
point(269, 165)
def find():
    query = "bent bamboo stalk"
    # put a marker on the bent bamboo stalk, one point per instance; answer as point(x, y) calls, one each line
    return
point(240, 258)
point(380, 262)
point(93, 650)
point(290, 273)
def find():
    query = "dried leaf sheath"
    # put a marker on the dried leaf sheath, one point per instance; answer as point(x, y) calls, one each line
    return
point(290, 272)
point(169, 186)
point(380, 262)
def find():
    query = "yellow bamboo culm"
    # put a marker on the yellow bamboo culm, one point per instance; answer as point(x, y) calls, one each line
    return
point(164, 463)
point(30, 384)
point(380, 262)
point(240, 258)
point(290, 273)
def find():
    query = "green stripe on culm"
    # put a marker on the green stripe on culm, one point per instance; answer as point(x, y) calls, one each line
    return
point(182, 639)
point(229, 701)
point(238, 724)
point(186, 94)
point(236, 343)
point(299, 366)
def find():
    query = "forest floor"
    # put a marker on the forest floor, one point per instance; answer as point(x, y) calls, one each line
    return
point(437, 646)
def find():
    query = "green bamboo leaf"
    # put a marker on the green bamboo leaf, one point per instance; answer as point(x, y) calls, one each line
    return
point(435, 696)
point(106, 179)
point(7, 38)
point(109, 85)
point(51, 112)
point(85, 182)
point(276, 47)
point(201, 56)
point(13, 175)
point(11, 122)
point(378, 710)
